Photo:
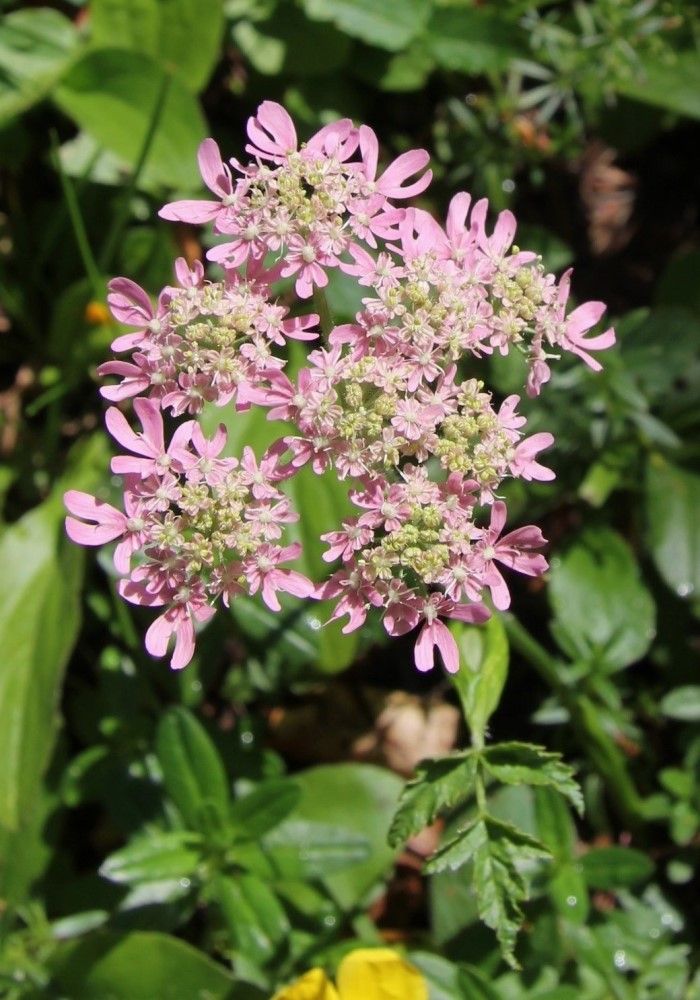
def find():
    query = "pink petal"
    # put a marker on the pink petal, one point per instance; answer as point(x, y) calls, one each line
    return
point(129, 302)
point(184, 644)
point(423, 651)
point(584, 317)
point(445, 642)
point(211, 168)
point(148, 412)
point(190, 210)
point(158, 635)
point(404, 166)
point(123, 434)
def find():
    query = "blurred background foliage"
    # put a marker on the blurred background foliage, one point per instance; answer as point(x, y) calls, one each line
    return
point(217, 832)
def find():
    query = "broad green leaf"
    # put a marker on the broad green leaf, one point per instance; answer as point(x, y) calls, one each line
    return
point(155, 857)
point(673, 525)
point(193, 773)
point(264, 808)
point(139, 966)
point(290, 43)
point(303, 849)
point(255, 918)
point(396, 72)
point(441, 975)
point(483, 657)
point(673, 84)
point(438, 785)
point(36, 47)
point(603, 613)
point(682, 703)
point(389, 24)
point(611, 868)
point(39, 621)
point(112, 94)
point(362, 799)
point(525, 764)
point(472, 40)
point(180, 34)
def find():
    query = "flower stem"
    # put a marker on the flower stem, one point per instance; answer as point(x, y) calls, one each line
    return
point(599, 745)
point(76, 219)
point(122, 216)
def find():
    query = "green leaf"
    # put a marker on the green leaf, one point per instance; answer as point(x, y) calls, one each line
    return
point(499, 852)
point(483, 657)
point(673, 84)
point(604, 614)
point(157, 856)
point(438, 785)
point(554, 823)
point(301, 849)
point(288, 42)
point(39, 621)
point(683, 703)
point(361, 799)
point(611, 868)
point(472, 40)
point(673, 527)
point(112, 94)
point(256, 920)
point(525, 764)
point(389, 24)
point(193, 773)
point(569, 893)
point(36, 47)
point(264, 808)
point(185, 39)
point(139, 966)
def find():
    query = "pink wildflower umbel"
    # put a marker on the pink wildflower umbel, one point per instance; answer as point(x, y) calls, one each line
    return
point(382, 403)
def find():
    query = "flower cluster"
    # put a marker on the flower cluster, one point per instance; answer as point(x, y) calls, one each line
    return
point(202, 526)
point(383, 402)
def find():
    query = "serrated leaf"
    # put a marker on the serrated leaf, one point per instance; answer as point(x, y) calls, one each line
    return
point(604, 614)
point(517, 763)
point(153, 858)
point(390, 24)
point(673, 527)
point(499, 853)
point(265, 807)
point(193, 773)
point(438, 785)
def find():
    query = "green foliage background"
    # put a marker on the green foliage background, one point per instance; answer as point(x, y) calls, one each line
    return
point(157, 836)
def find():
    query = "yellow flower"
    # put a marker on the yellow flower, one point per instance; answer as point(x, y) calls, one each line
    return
point(364, 974)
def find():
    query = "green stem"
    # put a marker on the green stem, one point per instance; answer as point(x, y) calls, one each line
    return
point(603, 752)
point(86, 255)
point(323, 309)
point(122, 216)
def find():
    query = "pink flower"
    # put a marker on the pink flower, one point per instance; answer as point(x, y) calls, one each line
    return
point(435, 633)
point(356, 596)
point(217, 177)
point(208, 467)
point(178, 621)
point(262, 573)
point(570, 331)
point(413, 419)
point(391, 182)
point(523, 462)
point(513, 550)
point(130, 305)
point(150, 444)
point(104, 524)
point(271, 132)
